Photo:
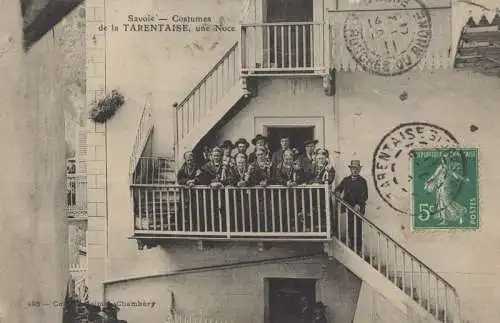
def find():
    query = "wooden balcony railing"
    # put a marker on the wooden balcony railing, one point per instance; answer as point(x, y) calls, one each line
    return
point(397, 264)
point(264, 213)
point(76, 195)
point(268, 48)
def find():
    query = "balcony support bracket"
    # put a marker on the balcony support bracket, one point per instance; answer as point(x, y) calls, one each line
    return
point(249, 86)
point(148, 243)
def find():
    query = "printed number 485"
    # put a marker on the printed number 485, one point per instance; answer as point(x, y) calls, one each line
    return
point(424, 211)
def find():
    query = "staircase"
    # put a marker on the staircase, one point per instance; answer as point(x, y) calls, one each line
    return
point(217, 92)
point(389, 267)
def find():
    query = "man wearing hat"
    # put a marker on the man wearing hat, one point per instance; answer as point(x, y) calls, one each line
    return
point(214, 173)
point(307, 158)
point(241, 146)
point(320, 173)
point(355, 192)
point(259, 142)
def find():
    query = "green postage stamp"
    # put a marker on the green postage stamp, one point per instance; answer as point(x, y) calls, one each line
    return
point(445, 189)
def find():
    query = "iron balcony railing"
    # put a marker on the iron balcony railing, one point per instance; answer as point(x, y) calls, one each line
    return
point(397, 264)
point(76, 195)
point(272, 212)
point(268, 48)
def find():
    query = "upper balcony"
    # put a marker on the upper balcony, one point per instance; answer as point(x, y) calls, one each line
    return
point(281, 48)
point(168, 211)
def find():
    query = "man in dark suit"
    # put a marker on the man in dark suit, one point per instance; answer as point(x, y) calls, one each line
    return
point(355, 194)
point(259, 142)
point(307, 158)
point(288, 171)
point(188, 172)
point(214, 173)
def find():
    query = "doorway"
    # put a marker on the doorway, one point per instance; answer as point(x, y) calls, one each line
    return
point(289, 43)
point(291, 300)
point(297, 136)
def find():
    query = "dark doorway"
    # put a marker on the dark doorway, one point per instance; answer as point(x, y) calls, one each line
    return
point(297, 136)
point(289, 10)
point(290, 45)
point(291, 300)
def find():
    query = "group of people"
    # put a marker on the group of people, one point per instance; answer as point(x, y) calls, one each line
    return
point(231, 164)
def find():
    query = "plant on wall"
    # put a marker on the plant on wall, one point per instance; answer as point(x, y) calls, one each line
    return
point(106, 107)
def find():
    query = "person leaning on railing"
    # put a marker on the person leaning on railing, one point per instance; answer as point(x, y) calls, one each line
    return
point(216, 174)
point(307, 158)
point(321, 172)
point(288, 171)
point(261, 171)
point(187, 174)
point(355, 194)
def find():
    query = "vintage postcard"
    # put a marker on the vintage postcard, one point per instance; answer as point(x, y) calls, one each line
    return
point(248, 161)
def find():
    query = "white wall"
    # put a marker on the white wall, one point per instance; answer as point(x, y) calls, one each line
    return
point(237, 294)
point(286, 101)
point(370, 107)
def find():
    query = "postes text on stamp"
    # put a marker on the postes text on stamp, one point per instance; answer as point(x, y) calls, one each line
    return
point(445, 189)
point(391, 168)
point(388, 42)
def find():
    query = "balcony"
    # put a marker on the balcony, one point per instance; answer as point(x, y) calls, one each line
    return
point(272, 213)
point(76, 195)
point(284, 48)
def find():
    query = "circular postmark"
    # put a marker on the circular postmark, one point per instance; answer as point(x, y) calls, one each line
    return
point(388, 42)
point(391, 168)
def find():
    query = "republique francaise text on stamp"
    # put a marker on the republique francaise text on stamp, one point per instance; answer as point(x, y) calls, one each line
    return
point(445, 189)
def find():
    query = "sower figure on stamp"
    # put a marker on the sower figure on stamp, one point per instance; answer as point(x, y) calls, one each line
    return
point(355, 194)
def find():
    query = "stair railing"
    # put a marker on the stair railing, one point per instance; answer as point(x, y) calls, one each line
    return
point(396, 263)
point(205, 95)
point(143, 135)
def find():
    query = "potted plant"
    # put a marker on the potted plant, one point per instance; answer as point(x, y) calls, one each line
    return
point(106, 107)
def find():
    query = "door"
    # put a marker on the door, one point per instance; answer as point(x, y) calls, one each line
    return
point(289, 45)
point(291, 300)
point(297, 136)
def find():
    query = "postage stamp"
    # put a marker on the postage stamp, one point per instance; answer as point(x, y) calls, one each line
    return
point(390, 168)
point(445, 189)
point(389, 42)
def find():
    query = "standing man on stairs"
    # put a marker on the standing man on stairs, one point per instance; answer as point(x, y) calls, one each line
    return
point(355, 192)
